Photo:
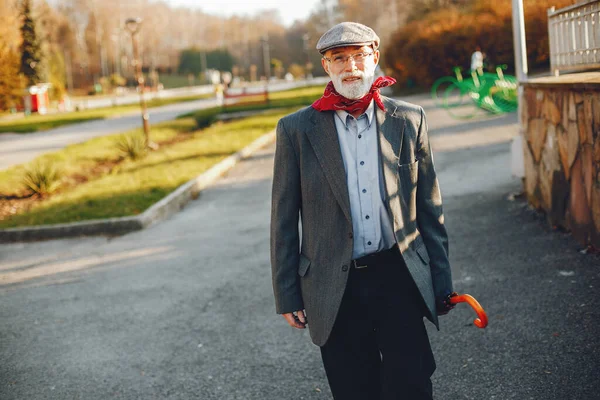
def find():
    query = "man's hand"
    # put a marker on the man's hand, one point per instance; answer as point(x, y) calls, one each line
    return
point(296, 319)
point(443, 305)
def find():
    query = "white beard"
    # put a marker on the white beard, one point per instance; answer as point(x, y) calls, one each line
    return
point(357, 89)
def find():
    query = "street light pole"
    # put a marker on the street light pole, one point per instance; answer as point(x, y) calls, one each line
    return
point(266, 56)
point(521, 69)
point(133, 25)
point(116, 38)
point(305, 39)
point(519, 40)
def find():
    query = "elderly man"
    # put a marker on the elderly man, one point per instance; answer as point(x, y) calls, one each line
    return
point(372, 258)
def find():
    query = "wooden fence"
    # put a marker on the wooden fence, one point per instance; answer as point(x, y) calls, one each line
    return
point(574, 34)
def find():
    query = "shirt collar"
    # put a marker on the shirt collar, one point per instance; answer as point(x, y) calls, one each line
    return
point(370, 111)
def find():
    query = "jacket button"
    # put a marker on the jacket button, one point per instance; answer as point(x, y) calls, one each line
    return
point(350, 235)
point(344, 268)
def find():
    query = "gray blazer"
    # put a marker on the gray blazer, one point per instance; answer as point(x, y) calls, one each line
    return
point(310, 265)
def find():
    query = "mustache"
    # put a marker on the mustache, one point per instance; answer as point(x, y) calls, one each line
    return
point(357, 74)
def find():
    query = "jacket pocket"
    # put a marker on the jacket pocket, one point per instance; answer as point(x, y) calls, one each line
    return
point(407, 182)
point(303, 265)
point(408, 173)
point(422, 252)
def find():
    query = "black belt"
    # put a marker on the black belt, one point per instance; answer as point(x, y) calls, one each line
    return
point(374, 258)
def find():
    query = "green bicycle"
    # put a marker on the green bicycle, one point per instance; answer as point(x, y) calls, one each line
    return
point(464, 97)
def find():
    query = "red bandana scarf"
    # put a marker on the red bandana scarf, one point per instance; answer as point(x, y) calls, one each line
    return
point(332, 100)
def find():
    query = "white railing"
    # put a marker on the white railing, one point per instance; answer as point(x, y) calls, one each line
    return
point(574, 34)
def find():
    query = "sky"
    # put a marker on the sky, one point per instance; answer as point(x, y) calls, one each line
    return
point(290, 10)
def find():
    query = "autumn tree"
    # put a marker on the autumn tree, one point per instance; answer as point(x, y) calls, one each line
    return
point(11, 82)
point(429, 48)
point(31, 52)
point(92, 44)
point(92, 39)
point(421, 8)
point(56, 75)
point(55, 34)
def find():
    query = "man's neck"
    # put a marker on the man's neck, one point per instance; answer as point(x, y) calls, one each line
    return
point(356, 114)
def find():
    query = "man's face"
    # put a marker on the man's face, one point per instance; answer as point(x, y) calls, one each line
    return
point(352, 78)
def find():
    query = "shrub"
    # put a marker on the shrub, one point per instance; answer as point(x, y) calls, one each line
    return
point(206, 117)
point(296, 70)
point(131, 146)
point(42, 179)
point(116, 80)
point(427, 49)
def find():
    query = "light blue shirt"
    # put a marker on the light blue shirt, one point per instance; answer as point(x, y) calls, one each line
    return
point(371, 224)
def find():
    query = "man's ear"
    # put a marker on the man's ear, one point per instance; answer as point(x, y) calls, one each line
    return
point(325, 65)
point(376, 57)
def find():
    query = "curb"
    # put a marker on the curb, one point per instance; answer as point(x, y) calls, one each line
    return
point(160, 211)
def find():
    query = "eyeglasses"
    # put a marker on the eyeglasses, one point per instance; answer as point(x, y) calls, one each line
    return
point(340, 59)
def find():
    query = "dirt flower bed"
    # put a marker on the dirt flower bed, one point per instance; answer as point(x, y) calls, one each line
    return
point(14, 204)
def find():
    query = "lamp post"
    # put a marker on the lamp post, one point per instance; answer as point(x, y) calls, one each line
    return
point(133, 26)
point(266, 56)
point(305, 39)
point(518, 22)
point(116, 38)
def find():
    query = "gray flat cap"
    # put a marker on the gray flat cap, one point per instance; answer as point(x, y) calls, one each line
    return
point(348, 34)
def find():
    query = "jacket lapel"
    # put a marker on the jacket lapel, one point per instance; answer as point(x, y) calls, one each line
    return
point(390, 128)
point(324, 140)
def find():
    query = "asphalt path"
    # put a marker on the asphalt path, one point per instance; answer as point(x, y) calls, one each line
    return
point(184, 309)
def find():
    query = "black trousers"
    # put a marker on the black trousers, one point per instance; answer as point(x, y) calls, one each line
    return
point(379, 348)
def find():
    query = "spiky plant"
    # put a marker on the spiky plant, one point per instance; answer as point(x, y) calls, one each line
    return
point(131, 146)
point(42, 178)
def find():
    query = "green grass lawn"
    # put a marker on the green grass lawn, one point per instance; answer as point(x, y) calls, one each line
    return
point(132, 186)
point(36, 122)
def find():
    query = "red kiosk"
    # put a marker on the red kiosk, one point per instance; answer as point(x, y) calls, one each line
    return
point(36, 99)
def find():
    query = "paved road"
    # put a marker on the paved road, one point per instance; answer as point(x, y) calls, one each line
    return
point(184, 310)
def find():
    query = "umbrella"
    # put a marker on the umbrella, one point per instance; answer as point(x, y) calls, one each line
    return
point(482, 320)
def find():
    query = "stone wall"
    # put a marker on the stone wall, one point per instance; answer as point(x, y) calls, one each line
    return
point(561, 126)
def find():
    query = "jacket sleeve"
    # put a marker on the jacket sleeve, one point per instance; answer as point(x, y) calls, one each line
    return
point(285, 211)
point(430, 216)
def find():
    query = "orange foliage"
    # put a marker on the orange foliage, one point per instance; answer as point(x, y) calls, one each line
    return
point(425, 50)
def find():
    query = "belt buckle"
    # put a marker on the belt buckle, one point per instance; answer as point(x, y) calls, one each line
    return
point(358, 266)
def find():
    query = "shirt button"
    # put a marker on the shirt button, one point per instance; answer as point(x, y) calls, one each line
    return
point(367, 217)
point(364, 190)
point(362, 163)
point(369, 243)
point(344, 268)
point(359, 136)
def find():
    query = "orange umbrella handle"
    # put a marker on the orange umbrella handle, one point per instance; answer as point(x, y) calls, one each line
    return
point(482, 320)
